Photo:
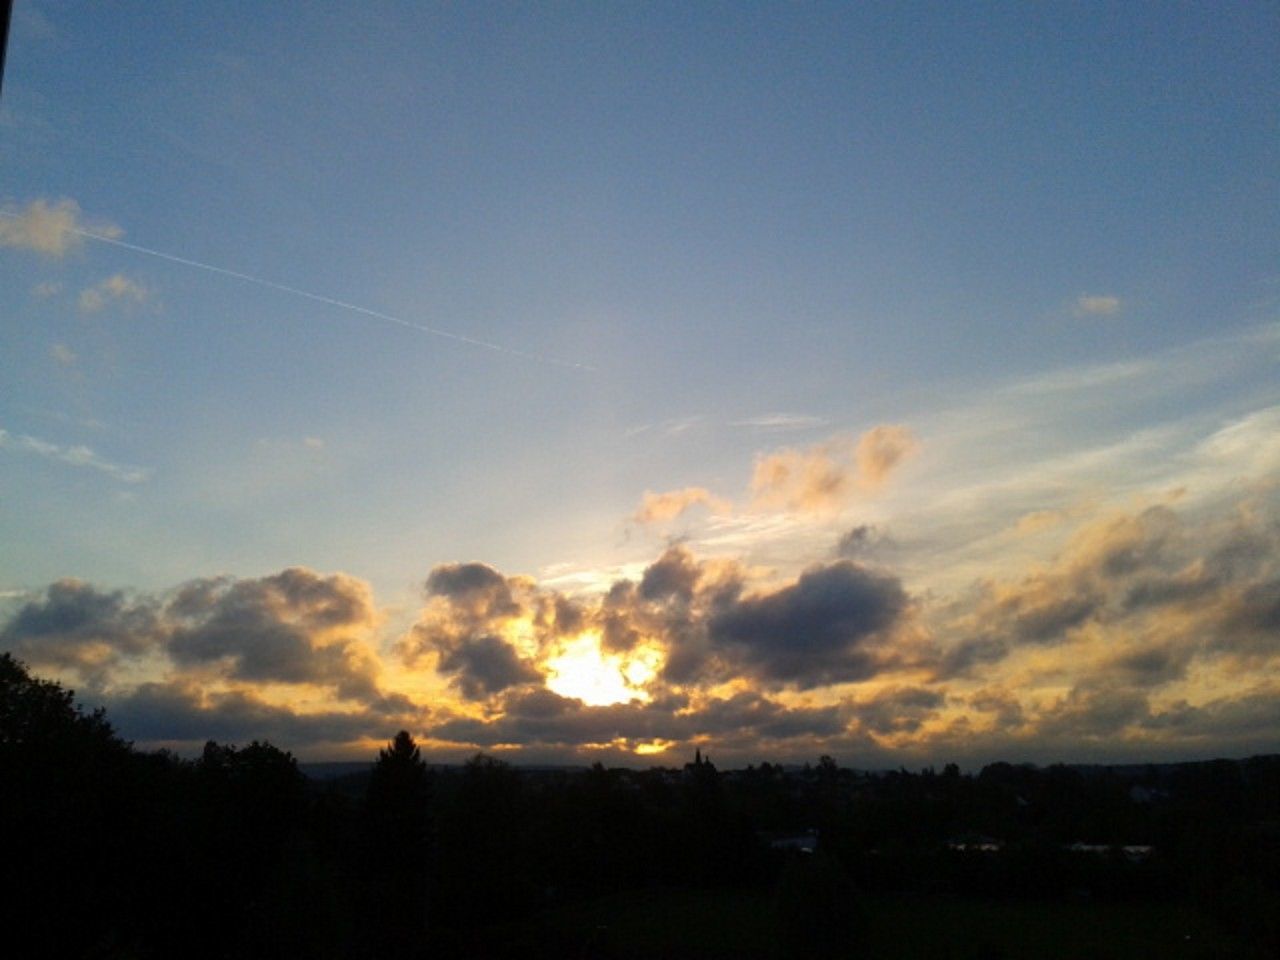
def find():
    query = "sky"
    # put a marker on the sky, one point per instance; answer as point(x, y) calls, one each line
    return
point(582, 382)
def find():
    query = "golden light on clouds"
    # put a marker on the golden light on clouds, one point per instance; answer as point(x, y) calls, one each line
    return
point(652, 747)
point(583, 671)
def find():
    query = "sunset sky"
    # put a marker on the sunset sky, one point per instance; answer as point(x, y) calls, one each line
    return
point(598, 381)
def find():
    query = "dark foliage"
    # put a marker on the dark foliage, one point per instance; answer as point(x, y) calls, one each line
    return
point(112, 853)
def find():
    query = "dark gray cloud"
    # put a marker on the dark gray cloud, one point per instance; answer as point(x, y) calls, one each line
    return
point(179, 713)
point(296, 626)
point(475, 588)
point(674, 576)
point(816, 631)
point(1150, 665)
point(1248, 722)
point(854, 541)
point(468, 605)
point(481, 666)
point(963, 658)
point(537, 717)
point(828, 626)
point(75, 626)
point(897, 709)
point(1092, 711)
point(1004, 705)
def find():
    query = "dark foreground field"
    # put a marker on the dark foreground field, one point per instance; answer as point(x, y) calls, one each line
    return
point(704, 923)
point(109, 853)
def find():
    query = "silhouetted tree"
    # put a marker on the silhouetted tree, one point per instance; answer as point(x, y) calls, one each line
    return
point(65, 816)
point(399, 851)
point(398, 784)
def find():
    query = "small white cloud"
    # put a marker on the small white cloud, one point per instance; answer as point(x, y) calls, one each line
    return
point(1096, 305)
point(116, 287)
point(43, 291)
point(314, 443)
point(51, 229)
point(63, 355)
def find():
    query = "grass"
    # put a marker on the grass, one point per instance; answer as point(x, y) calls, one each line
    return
point(672, 923)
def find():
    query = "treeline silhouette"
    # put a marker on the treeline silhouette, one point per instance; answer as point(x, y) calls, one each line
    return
point(110, 852)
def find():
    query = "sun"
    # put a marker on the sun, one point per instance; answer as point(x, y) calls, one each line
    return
point(584, 671)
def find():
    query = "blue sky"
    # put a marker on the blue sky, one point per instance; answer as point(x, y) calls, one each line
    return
point(1034, 248)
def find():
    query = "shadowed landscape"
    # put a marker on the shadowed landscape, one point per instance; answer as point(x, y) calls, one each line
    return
point(115, 853)
point(754, 480)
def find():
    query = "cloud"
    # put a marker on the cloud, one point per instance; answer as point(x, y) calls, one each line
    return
point(896, 710)
point(660, 507)
point(63, 355)
point(475, 587)
point(469, 606)
point(77, 456)
point(821, 478)
point(816, 479)
point(73, 626)
point(668, 429)
point(1154, 628)
point(862, 541)
point(822, 629)
point(780, 422)
point(540, 719)
point(115, 288)
point(688, 620)
point(1144, 598)
point(181, 713)
point(880, 450)
point(674, 574)
point(296, 627)
point(51, 229)
point(1095, 305)
point(484, 665)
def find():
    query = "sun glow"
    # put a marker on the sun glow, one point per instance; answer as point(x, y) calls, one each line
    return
point(584, 671)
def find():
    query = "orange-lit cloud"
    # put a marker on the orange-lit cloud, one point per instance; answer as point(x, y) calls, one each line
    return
point(1153, 629)
point(670, 504)
point(821, 478)
point(880, 450)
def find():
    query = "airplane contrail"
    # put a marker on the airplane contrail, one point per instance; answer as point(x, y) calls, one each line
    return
point(318, 298)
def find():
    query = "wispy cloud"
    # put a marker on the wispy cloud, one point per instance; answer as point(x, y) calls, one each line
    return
point(76, 456)
point(49, 228)
point(115, 288)
point(780, 422)
point(63, 355)
point(674, 427)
